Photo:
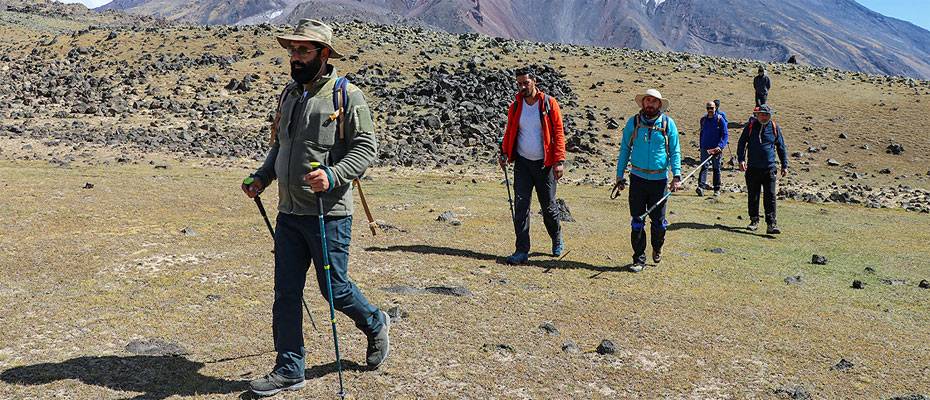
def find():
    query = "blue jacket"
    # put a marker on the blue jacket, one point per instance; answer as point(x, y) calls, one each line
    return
point(762, 144)
point(714, 131)
point(648, 157)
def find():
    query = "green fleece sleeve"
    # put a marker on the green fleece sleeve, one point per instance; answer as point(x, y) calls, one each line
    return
point(363, 146)
point(266, 172)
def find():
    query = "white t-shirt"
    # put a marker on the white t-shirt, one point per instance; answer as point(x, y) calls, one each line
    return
point(529, 137)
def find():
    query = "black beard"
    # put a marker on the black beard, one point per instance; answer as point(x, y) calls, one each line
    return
point(651, 113)
point(304, 73)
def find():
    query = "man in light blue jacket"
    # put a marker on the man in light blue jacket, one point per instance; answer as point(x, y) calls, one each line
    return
point(650, 146)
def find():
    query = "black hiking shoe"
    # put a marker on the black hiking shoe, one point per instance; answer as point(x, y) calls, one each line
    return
point(773, 230)
point(379, 346)
point(699, 191)
point(273, 383)
point(637, 266)
point(657, 256)
point(753, 226)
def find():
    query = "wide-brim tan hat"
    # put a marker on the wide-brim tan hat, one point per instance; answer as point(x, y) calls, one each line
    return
point(651, 93)
point(311, 30)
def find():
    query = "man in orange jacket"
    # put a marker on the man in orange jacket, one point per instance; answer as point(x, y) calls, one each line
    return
point(534, 141)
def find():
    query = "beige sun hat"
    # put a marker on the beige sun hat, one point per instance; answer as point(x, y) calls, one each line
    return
point(313, 31)
point(651, 93)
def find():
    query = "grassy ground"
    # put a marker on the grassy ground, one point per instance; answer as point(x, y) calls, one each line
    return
point(85, 271)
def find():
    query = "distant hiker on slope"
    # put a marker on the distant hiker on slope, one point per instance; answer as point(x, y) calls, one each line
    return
point(756, 150)
point(761, 83)
point(534, 140)
point(307, 130)
point(650, 146)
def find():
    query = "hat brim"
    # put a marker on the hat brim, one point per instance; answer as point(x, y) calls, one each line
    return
point(285, 41)
point(639, 101)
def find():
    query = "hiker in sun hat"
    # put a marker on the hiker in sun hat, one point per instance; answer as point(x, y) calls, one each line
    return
point(320, 119)
point(650, 146)
point(758, 146)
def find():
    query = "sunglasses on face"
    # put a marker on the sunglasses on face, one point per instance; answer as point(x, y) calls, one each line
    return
point(301, 51)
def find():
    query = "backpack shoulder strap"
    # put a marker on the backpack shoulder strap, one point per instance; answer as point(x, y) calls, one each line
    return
point(635, 131)
point(277, 114)
point(668, 151)
point(340, 104)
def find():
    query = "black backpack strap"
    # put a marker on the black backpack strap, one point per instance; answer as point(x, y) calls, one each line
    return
point(277, 114)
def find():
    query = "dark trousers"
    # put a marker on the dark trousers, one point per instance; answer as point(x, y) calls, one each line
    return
point(715, 164)
point(643, 194)
point(761, 98)
point(296, 243)
point(761, 180)
point(528, 175)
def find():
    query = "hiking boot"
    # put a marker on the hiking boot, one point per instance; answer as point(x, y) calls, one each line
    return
point(637, 267)
point(518, 258)
point(699, 191)
point(773, 230)
point(273, 383)
point(657, 256)
point(753, 225)
point(717, 193)
point(557, 247)
point(379, 346)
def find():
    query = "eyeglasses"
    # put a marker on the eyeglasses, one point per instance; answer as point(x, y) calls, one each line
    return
point(301, 51)
point(710, 108)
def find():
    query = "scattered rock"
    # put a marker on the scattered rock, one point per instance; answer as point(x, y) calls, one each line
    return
point(548, 328)
point(843, 365)
point(857, 284)
point(570, 347)
point(911, 397)
point(924, 284)
point(818, 260)
point(189, 232)
point(833, 163)
point(606, 347)
point(161, 165)
point(457, 291)
point(450, 218)
point(88, 185)
point(717, 250)
point(155, 347)
point(213, 297)
point(397, 314)
point(869, 270)
point(793, 393)
point(894, 282)
point(386, 227)
point(501, 348)
point(793, 280)
point(895, 149)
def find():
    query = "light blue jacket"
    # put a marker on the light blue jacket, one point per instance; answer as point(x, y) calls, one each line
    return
point(648, 152)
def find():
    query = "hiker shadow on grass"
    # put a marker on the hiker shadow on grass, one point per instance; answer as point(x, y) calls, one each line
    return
point(155, 377)
point(732, 229)
point(547, 265)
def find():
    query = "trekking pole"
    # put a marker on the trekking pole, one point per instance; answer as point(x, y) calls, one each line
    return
point(371, 220)
point(509, 196)
point(669, 193)
point(261, 209)
point(329, 283)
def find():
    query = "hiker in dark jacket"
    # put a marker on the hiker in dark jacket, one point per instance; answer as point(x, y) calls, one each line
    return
point(762, 84)
point(534, 140)
point(307, 130)
point(759, 145)
point(714, 138)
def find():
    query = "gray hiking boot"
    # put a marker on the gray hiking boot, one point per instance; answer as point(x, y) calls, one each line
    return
point(379, 346)
point(753, 225)
point(773, 230)
point(273, 383)
point(699, 191)
point(636, 267)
